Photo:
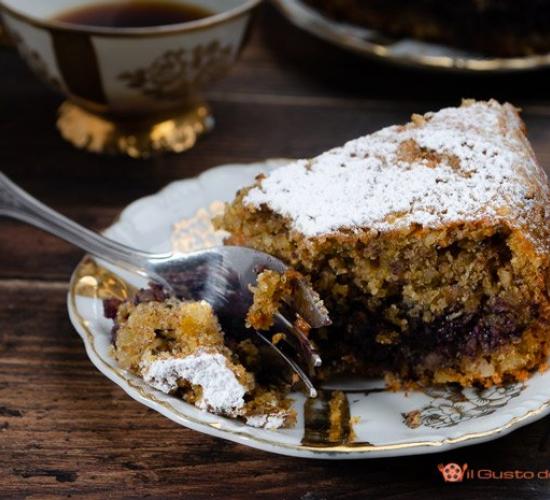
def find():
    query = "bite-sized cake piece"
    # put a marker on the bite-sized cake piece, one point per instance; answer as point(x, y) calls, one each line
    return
point(270, 292)
point(178, 347)
point(428, 242)
point(500, 27)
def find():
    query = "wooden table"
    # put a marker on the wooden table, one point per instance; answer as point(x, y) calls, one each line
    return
point(67, 430)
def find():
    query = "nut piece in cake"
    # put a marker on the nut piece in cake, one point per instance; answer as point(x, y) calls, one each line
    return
point(428, 242)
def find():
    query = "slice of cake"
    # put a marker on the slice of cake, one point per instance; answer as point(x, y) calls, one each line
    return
point(179, 348)
point(428, 242)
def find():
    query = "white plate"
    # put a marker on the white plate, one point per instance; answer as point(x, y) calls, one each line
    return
point(403, 51)
point(179, 216)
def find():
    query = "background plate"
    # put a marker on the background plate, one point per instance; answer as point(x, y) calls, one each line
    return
point(384, 423)
point(404, 51)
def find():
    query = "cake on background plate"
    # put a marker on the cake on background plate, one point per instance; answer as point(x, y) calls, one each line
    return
point(503, 28)
point(428, 242)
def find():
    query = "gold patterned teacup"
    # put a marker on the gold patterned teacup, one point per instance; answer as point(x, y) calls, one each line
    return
point(129, 90)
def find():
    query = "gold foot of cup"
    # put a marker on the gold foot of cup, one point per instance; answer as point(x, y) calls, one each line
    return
point(135, 137)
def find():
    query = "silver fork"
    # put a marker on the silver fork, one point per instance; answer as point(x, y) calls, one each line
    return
point(221, 275)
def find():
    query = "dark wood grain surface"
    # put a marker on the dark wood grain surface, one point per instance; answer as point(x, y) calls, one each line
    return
point(65, 430)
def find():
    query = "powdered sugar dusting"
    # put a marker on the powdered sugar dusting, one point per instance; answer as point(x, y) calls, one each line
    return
point(457, 164)
point(273, 421)
point(221, 391)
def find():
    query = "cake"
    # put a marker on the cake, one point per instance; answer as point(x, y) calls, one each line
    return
point(428, 243)
point(271, 291)
point(178, 347)
point(500, 27)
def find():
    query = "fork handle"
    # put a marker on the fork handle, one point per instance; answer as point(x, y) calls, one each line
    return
point(18, 204)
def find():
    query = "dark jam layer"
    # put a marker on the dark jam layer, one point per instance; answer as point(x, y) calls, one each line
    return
point(448, 337)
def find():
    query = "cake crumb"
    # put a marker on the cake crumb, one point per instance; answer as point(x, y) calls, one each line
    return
point(412, 419)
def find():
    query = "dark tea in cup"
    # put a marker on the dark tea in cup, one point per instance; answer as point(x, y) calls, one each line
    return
point(133, 14)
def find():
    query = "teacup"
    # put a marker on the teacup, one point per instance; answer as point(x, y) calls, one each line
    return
point(130, 90)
